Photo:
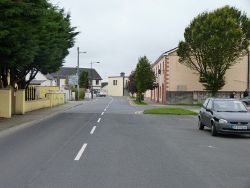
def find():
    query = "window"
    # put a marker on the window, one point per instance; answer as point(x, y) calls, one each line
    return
point(229, 106)
point(160, 92)
point(115, 82)
point(209, 105)
point(97, 82)
point(205, 103)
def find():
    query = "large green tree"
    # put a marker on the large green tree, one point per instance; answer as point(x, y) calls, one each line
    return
point(144, 77)
point(84, 80)
point(132, 83)
point(34, 36)
point(213, 42)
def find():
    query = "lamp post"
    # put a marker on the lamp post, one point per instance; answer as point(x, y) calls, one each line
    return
point(91, 72)
point(248, 71)
point(78, 88)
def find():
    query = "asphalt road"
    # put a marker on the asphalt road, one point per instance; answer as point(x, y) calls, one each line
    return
point(104, 144)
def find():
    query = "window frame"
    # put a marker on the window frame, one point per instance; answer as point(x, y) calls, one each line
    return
point(210, 101)
point(114, 82)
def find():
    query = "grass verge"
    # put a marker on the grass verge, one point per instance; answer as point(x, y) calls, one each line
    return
point(140, 103)
point(199, 105)
point(171, 111)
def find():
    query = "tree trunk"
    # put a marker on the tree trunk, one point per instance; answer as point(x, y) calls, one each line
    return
point(138, 97)
point(4, 75)
point(12, 78)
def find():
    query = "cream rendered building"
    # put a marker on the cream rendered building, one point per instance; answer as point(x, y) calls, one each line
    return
point(117, 85)
point(172, 76)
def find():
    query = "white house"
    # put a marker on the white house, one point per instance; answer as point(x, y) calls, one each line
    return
point(117, 85)
point(66, 72)
point(43, 80)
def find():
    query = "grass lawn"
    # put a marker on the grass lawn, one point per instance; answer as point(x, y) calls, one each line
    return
point(199, 105)
point(173, 111)
point(140, 103)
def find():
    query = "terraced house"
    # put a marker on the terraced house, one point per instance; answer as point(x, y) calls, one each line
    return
point(179, 84)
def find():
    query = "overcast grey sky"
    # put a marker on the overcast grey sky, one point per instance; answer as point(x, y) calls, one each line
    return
point(117, 32)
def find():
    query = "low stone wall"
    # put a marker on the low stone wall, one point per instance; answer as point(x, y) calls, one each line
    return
point(43, 90)
point(51, 100)
point(5, 103)
point(195, 97)
point(35, 105)
point(55, 98)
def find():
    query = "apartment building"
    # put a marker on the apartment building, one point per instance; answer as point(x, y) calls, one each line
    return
point(173, 77)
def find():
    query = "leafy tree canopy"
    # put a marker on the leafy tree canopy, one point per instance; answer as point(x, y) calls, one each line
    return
point(84, 80)
point(213, 42)
point(144, 76)
point(132, 83)
point(34, 36)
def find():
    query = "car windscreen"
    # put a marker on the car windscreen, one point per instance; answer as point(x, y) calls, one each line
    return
point(229, 106)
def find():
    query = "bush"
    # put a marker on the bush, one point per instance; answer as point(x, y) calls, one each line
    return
point(82, 94)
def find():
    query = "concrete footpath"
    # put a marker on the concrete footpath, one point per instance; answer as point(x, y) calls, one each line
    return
point(21, 121)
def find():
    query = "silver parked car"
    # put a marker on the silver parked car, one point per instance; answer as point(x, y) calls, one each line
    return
point(224, 116)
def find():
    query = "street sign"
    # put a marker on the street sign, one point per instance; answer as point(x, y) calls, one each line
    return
point(73, 80)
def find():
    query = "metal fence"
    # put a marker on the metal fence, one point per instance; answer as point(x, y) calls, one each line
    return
point(30, 94)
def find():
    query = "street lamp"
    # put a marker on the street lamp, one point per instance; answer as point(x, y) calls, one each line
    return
point(91, 72)
point(78, 88)
point(248, 72)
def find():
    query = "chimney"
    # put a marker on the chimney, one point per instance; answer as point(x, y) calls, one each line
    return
point(122, 74)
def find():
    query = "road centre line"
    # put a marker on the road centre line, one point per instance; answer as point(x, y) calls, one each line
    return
point(102, 113)
point(79, 154)
point(105, 110)
point(93, 130)
point(98, 121)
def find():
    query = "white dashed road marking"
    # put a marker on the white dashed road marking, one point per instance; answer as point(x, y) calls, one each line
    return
point(98, 121)
point(78, 156)
point(93, 130)
point(211, 146)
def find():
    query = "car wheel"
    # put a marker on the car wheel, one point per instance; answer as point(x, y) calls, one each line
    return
point(213, 130)
point(200, 125)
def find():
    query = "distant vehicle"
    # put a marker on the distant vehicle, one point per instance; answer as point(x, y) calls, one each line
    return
point(224, 116)
point(246, 100)
point(101, 95)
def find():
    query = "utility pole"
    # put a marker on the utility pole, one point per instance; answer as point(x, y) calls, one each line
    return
point(91, 73)
point(248, 71)
point(122, 75)
point(78, 72)
point(78, 87)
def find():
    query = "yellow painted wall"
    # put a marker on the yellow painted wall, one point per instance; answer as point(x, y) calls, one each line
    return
point(5, 103)
point(116, 90)
point(42, 90)
point(52, 99)
point(56, 98)
point(182, 77)
point(20, 102)
point(37, 104)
